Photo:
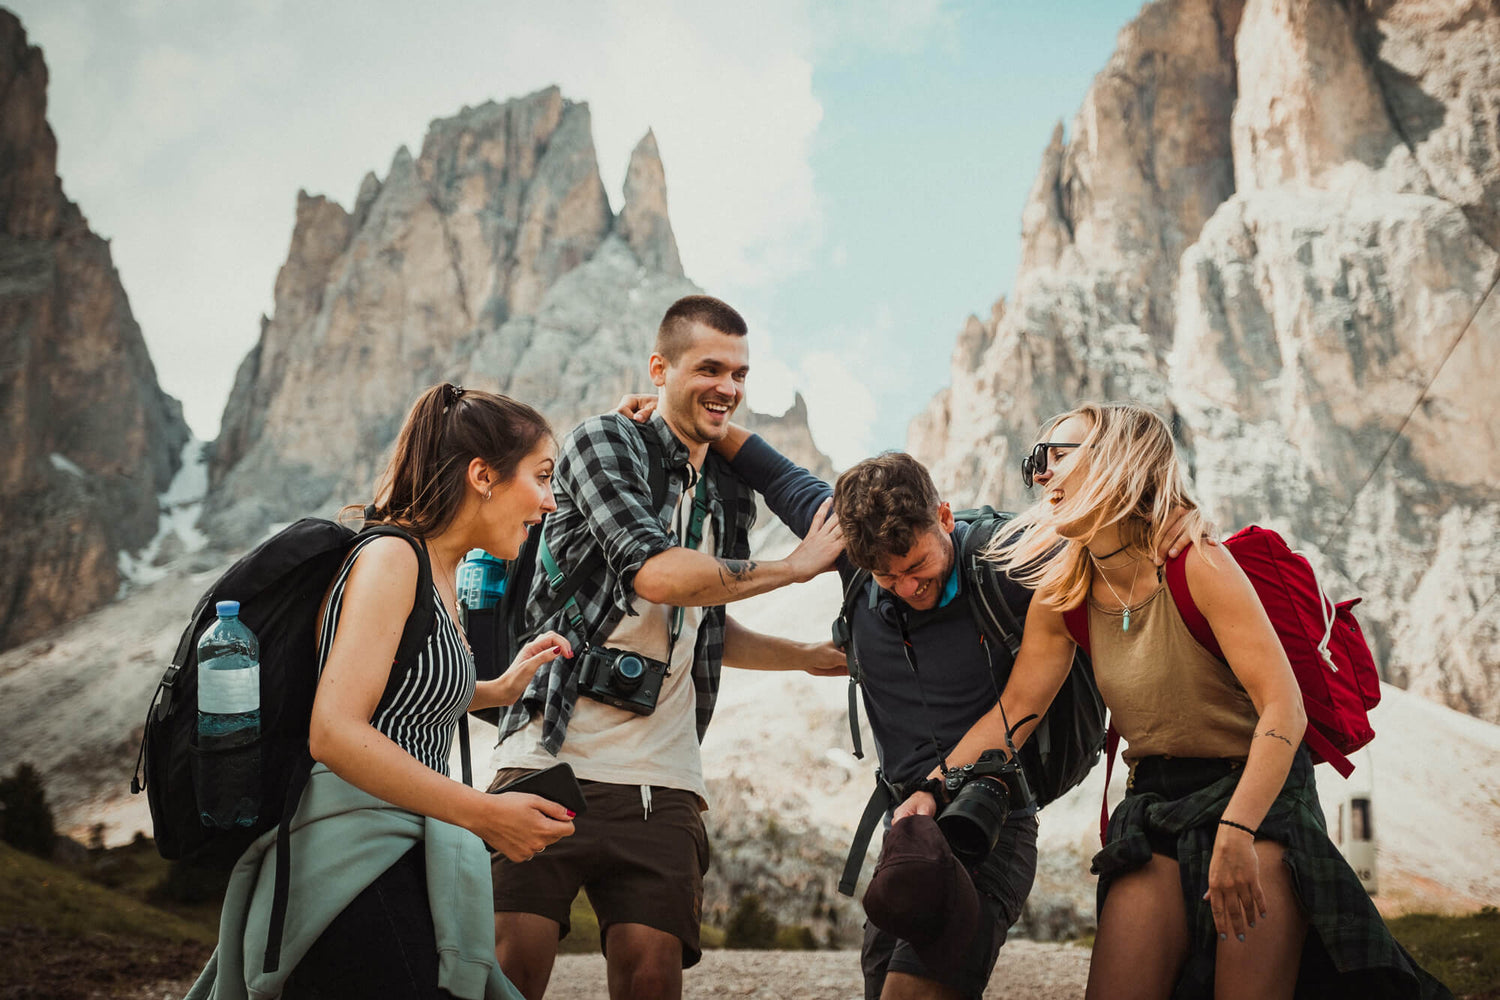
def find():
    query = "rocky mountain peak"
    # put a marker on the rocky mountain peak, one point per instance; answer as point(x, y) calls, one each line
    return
point(1275, 221)
point(491, 259)
point(643, 221)
point(90, 439)
point(30, 192)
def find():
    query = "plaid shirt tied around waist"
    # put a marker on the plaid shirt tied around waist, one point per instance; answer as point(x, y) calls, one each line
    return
point(1359, 958)
point(603, 493)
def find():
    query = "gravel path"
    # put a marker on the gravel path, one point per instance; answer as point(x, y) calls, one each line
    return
point(1027, 970)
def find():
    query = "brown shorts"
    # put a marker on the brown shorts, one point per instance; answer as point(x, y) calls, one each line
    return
point(635, 869)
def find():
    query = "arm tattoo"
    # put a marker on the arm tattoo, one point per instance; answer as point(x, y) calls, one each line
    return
point(739, 571)
point(1274, 735)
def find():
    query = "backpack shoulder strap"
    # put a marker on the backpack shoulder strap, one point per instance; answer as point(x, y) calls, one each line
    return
point(1196, 624)
point(419, 623)
point(656, 465)
point(843, 638)
point(1076, 620)
point(986, 598)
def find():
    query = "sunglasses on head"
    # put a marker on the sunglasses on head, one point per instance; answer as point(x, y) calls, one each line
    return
point(1035, 463)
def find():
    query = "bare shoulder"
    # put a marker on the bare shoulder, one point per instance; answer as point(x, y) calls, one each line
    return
point(1216, 581)
point(385, 575)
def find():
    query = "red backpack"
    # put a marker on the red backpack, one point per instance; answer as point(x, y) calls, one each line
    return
point(1323, 642)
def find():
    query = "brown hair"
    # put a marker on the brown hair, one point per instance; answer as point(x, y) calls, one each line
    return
point(448, 427)
point(883, 504)
point(1126, 472)
point(676, 329)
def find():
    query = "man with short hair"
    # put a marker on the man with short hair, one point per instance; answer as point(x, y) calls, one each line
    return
point(926, 676)
point(652, 580)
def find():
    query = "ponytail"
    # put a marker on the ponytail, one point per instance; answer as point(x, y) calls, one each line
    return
point(448, 427)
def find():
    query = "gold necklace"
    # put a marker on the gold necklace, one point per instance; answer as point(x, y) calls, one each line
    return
point(447, 576)
point(1125, 625)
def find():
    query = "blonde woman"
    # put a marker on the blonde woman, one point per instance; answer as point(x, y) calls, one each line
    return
point(1218, 878)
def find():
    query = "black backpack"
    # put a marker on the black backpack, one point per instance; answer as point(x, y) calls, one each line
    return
point(280, 586)
point(1065, 745)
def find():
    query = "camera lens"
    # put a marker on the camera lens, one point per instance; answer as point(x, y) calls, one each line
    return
point(627, 672)
point(972, 821)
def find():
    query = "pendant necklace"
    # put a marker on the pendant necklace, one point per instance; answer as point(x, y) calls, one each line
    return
point(1125, 624)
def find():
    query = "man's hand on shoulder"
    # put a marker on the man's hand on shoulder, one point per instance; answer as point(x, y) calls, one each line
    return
point(638, 406)
point(824, 659)
point(821, 547)
point(1176, 538)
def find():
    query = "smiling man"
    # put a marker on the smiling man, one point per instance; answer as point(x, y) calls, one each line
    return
point(650, 569)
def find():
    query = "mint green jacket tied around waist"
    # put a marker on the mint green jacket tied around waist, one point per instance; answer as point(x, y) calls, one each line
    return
point(342, 839)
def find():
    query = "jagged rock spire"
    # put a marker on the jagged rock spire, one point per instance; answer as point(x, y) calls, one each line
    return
point(643, 221)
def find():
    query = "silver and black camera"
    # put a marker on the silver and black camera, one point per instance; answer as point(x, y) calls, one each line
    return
point(621, 678)
point(982, 796)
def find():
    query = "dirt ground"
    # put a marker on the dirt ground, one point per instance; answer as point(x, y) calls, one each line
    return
point(1026, 971)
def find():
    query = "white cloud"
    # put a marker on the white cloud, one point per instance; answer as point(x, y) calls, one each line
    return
point(185, 132)
point(840, 407)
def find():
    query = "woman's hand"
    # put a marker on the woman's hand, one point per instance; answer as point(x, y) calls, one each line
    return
point(520, 825)
point(1234, 893)
point(638, 406)
point(916, 804)
point(509, 686)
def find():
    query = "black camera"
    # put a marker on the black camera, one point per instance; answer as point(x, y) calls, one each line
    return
point(621, 678)
point(982, 796)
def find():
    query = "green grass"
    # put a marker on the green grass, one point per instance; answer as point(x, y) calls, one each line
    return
point(1464, 952)
point(64, 936)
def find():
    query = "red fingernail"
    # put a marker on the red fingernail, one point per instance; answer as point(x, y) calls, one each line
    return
point(571, 814)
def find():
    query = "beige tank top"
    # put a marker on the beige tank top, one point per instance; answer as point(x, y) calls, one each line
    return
point(1167, 695)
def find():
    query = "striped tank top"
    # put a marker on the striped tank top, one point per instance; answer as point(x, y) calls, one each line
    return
point(421, 712)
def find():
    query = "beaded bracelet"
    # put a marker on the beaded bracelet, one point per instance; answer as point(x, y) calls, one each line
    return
point(1238, 826)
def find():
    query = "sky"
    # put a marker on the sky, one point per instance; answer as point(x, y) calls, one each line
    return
point(850, 175)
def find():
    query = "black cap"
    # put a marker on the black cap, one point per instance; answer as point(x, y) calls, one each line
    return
point(922, 894)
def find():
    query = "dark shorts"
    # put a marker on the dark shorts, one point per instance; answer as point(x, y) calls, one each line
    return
point(636, 869)
point(1004, 881)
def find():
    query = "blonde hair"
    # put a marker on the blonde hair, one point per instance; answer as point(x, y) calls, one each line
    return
point(1125, 473)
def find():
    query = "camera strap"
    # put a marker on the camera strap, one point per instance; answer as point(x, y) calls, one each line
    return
point(691, 541)
point(911, 661)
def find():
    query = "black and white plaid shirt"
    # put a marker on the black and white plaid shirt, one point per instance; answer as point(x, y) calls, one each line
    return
point(604, 502)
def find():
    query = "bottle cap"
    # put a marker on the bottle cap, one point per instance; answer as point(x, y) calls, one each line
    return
point(227, 609)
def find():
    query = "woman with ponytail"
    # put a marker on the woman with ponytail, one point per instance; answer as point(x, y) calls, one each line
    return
point(469, 470)
point(1217, 878)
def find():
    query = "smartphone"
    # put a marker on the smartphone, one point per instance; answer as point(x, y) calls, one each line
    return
point(556, 783)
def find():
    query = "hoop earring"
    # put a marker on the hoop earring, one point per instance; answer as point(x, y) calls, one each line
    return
point(487, 492)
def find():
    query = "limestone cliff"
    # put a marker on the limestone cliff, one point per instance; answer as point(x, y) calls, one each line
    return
point(1276, 221)
point(90, 438)
point(492, 259)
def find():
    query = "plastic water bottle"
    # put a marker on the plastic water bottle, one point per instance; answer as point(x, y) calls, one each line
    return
point(227, 776)
point(481, 580)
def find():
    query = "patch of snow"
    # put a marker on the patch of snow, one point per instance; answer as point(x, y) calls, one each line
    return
point(62, 464)
point(179, 506)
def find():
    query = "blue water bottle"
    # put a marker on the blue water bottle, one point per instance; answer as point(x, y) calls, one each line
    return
point(227, 777)
point(481, 580)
